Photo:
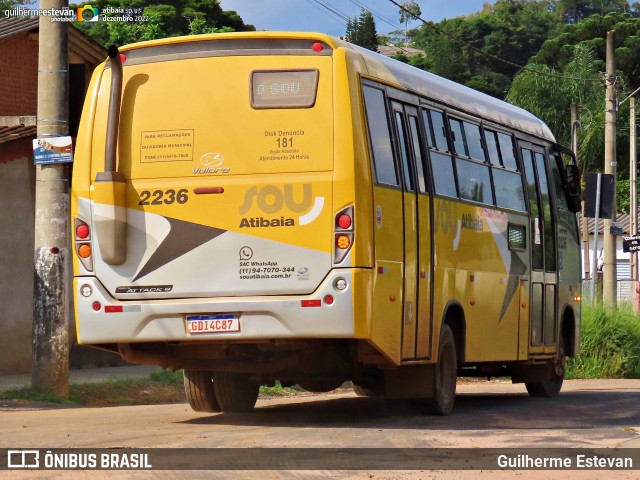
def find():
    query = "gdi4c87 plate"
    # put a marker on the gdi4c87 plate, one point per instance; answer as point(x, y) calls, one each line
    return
point(221, 323)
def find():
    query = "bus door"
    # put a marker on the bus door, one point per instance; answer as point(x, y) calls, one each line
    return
point(389, 224)
point(544, 277)
point(416, 251)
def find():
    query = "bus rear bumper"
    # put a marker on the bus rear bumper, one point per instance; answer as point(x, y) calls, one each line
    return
point(260, 317)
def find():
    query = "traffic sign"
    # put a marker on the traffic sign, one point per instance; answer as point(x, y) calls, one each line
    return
point(631, 243)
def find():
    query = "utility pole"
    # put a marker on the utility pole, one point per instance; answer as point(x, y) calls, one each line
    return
point(610, 167)
point(633, 194)
point(50, 368)
point(575, 125)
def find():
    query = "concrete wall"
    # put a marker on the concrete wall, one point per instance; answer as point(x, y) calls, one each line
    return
point(17, 187)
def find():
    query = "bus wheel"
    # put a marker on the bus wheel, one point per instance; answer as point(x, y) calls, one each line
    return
point(552, 387)
point(235, 392)
point(200, 391)
point(445, 375)
point(322, 385)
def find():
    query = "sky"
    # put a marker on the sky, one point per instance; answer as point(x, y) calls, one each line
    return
point(309, 15)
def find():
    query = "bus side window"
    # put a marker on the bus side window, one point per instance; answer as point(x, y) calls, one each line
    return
point(457, 135)
point(507, 152)
point(379, 135)
point(490, 138)
point(436, 134)
point(473, 178)
point(473, 140)
point(417, 153)
point(556, 172)
point(506, 178)
point(474, 181)
point(444, 180)
point(402, 140)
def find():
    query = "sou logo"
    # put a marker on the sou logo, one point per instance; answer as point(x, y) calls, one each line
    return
point(270, 199)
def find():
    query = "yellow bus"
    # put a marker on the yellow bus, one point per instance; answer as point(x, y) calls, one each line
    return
point(263, 207)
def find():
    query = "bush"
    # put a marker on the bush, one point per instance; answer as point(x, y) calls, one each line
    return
point(610, 346)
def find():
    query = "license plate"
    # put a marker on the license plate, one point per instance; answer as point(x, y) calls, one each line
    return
point(222, 323)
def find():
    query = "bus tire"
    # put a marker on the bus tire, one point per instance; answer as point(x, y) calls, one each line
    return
point(235, 392)
point(444, 375)
point(551, 388)
point(200, 391)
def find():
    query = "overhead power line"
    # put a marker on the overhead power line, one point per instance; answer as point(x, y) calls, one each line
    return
point(486, 54)
point(377, 14)
point(332, 10)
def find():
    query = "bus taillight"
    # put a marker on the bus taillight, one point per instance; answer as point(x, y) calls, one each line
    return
point(84, 250)
point(344, 221)
point(83, 244)
point(82, 231)
point(343, 233)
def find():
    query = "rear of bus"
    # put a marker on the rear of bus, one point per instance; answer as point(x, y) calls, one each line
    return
point(223, 233)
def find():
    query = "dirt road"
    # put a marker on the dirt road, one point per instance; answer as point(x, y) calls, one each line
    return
point(590, 414)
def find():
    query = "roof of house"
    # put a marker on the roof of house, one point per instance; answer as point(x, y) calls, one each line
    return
point(14, 26)
point(79, 42)
point(623, 220)
point(391, 50)
point(8, 134)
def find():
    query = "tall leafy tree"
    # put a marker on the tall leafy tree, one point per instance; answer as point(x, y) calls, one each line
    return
point(408, 12)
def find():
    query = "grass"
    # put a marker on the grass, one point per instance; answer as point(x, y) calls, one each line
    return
point(610, 346)
point(277, 391)
point(159, 387)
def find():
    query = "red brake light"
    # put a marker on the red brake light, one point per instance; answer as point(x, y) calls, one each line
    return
point(123, 58)
point(82, 231)
point(344, 221)
point(317, 47)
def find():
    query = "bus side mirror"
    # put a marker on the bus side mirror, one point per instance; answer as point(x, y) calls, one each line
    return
point(574, 190)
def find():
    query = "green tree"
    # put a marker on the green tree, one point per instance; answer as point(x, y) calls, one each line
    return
point(362, 31)
point(169, 18)
point(573, 11)
point(408, 12)
point(367, 31)
point(510, 30)
point(548, 93)
point(11, 4)
point(556, 51)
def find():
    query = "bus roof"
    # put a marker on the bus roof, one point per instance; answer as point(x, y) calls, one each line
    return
point(436, 88)
point(455, 95)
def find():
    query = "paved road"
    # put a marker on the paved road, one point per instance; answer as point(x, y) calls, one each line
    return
point(596, 414)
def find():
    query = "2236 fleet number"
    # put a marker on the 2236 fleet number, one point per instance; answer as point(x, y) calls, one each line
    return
point(167, 197)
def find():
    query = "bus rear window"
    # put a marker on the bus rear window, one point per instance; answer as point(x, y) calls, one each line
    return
point(284, 89)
